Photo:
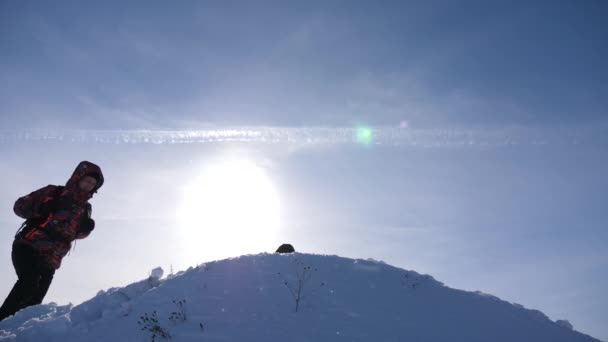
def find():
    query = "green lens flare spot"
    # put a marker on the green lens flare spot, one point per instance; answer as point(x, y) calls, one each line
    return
point(365, 135)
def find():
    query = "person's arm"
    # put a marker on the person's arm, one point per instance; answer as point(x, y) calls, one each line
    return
point(36, 204)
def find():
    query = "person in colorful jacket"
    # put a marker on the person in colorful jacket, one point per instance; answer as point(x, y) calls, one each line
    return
point(55, 217)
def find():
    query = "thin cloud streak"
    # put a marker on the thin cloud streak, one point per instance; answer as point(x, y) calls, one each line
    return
point(383, 135)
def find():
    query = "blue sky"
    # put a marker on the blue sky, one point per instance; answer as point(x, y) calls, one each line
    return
point(293, 64)
point(523, 221)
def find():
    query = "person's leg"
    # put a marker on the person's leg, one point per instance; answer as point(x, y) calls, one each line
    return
point(19, 295)
point(26, 265)
point(46, 277)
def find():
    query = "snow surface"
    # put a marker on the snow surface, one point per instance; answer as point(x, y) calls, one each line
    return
point(253, 298)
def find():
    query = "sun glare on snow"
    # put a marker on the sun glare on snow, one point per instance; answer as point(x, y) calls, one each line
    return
point(231, 209)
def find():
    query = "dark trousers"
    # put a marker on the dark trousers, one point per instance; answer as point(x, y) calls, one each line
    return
point(32, 284)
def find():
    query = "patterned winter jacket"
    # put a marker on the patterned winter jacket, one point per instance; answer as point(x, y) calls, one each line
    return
point(61, 217)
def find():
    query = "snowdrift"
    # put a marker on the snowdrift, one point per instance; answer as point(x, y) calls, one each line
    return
point(298, 297)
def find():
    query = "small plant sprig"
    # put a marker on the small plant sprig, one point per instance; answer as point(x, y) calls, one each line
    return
point(413, 282)
point(304, 273)
point(203, 267)
point(150, 323)
point(179, 315)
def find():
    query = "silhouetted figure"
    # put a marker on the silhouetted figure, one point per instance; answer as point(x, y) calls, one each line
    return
point(55, 216)
point(285, 248)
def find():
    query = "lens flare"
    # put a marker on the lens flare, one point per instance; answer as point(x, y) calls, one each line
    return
point(365, 135)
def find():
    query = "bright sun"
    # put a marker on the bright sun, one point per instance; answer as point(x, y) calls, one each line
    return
point(231, 209)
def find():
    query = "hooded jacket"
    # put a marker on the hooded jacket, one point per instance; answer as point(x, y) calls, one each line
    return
point(59, 217)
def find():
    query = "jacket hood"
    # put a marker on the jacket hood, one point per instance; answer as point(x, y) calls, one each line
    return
point(86, 168)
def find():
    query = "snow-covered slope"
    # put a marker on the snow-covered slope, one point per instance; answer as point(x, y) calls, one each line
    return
point(254, 298)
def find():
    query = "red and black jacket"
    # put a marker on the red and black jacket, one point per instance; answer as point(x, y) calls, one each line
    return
point(58, 215)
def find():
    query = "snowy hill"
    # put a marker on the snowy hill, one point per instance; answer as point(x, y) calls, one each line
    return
point(254, 298)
